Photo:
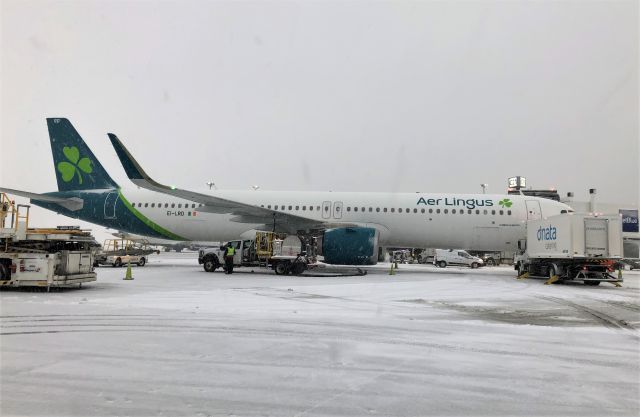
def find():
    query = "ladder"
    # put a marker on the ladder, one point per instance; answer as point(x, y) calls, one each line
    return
point(14, 219)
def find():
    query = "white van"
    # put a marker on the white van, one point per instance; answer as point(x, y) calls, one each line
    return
point(446, 257)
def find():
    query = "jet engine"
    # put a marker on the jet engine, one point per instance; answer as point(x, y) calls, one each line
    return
point(351, 246)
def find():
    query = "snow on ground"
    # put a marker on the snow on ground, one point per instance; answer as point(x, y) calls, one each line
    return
point(180, 341)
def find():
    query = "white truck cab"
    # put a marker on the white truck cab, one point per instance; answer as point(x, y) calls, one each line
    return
point(446, 257)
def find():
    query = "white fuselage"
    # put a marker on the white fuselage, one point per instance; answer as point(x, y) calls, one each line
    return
point(471, 221)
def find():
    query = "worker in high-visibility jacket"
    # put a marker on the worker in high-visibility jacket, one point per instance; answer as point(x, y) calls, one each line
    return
point(228, 257)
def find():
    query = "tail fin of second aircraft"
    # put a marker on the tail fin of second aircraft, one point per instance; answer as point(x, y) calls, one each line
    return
point(75, 165)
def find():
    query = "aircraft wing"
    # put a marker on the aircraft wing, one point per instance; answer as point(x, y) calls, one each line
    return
point(70, 203)
point(242, 212)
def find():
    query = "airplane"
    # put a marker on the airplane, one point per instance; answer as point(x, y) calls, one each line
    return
point(352, 225)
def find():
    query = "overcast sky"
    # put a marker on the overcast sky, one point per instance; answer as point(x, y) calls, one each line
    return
point(343, 96)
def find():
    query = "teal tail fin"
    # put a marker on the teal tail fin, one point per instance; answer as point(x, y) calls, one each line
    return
point(75, 165)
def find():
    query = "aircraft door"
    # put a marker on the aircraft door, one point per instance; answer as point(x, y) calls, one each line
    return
point(337, 210)
point(326, 209)
point(533, 210)
point(110, 206)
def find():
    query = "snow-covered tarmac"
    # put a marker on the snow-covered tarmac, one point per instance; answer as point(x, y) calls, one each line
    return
point(180, 341)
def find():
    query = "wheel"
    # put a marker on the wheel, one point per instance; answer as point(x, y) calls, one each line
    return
point(298, 268)
point(442, 264)
point(142, 262)
point(210, 265)
point(281, 268)
point(117, 263)
point(474, 265)
point(491, 262)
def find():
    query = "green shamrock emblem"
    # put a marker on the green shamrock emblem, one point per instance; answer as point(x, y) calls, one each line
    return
point(505, 203)
point(75, 165)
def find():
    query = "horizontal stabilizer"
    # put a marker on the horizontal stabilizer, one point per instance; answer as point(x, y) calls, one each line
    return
point(70, 203)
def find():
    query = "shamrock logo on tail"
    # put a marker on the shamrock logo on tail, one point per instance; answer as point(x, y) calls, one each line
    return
point(505, 203)
point(75, 165)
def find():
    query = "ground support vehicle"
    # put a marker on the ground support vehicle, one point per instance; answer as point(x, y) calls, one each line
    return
point(281, 253)
point(572, 247)
point(121, 252)
point(59, 257)
point(446, 257)
point(426, 256)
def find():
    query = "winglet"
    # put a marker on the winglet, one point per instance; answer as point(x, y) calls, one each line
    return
point(131, 166)
point(133, 169)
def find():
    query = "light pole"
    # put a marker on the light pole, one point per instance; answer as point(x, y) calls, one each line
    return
point(212, 184)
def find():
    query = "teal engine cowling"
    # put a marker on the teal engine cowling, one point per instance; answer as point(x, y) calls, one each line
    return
point(351, 246)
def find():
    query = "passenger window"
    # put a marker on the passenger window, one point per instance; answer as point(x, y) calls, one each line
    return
point(363, 209)
point(415, 210)
point(166, 205)
point(438, 211)
point(180, 205)
point(486, 212)
point(430, 211)
point(297, 208)
point(393, 210)
point(146, 204)
point(310, 208)
point(422, 211)
point(318, 208)
point(377, 209)
point(470, 211)
point(269, 206)
point(193, 206)
point(153, 204)
point(509, 212)
point(477, 211)
point(290, 207)
point(453, 211)
point(399, 210)
point(384, 209)
point(493, 212)
point(370, 209)
point(446, 211)
point(304, 208)
point(461, 211)
point(355, 209)
point(502, 212)
point(275, 207)
point(173, 205)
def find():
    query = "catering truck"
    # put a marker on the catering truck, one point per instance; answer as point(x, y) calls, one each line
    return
point(572, 247)
point(42, 257)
